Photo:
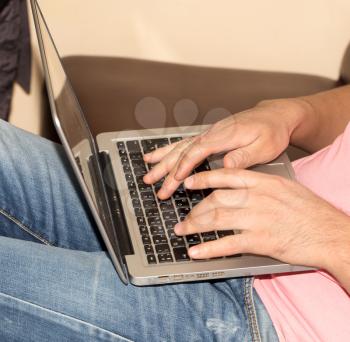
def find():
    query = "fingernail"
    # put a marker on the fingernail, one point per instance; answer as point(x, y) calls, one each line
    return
point(188, 182)
point(194, 252)
point(176, 176)
point(178, 229)
point(147, 178)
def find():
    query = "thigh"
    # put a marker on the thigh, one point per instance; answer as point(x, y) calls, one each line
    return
point(65, 295)
point(40, 199)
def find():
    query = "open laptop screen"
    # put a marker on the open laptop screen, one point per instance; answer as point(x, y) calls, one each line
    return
point(76, 136)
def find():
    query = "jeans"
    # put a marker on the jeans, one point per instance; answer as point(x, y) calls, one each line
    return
point(57, 282)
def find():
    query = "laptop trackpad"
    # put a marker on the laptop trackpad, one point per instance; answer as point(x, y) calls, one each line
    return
point(278, 166)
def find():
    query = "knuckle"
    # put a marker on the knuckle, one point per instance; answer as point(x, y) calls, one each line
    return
point(216, 197)
point(243, 156)
point(279, 181)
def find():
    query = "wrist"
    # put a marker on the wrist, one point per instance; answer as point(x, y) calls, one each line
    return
point(292, 111)
point(336, 260)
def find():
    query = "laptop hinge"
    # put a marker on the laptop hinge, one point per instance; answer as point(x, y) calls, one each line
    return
point(115, 206)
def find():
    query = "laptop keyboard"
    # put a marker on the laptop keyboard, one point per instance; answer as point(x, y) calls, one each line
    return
point(156, 218)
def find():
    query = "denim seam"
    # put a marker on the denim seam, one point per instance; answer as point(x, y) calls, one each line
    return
point(250, 307)
point(66, 316)
point(24, 227)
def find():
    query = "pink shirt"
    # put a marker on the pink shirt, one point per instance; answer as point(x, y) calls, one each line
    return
point(312, 306)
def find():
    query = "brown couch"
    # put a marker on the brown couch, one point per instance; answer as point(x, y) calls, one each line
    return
point(109, 89)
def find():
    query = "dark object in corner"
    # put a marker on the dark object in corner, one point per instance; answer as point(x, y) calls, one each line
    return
point(15, 52)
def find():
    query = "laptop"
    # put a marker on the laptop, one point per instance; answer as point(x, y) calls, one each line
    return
point(135, 225)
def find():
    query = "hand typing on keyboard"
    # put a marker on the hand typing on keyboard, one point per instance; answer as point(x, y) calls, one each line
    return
point(248, 138)
point(276, 217)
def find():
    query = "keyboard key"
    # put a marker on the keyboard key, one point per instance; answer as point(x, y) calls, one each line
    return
point(169, 224)
point(140, 171)
point(183, 211)
point(193, 239)
point(124, 160)
point(149, 249)
point(182, 203)
point(166, 205)
point(209, 236)
point(138, 211)
point(153, 212)
point(163, 248)
point(180, 254)
point(178, 242)
point(175, 139)
point(129, 177)
point(133, 194)
point(181, 188)
point(131, 185)
point(157, 230)
point(150, 204)
point(136, 203)
point(147, 195)
point(143, 230)
point(171, 234)
point(127, 168)
point(195, 196)
point(154, 221)
point(161, 142)
point(169, 215)
point(136, 156)
point(138, 162)
point(180, 194)
point(165, 258)
point(141, 220)
point(223, 233)
point(146, 239)
point(149, 145)
point(123, 153)
point(133, 146)
point(158, 239)
point(151, 259)
point(144, 187)
point(121, 146)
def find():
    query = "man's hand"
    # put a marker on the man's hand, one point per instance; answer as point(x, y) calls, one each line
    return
point(252, 137)
point(277, 218)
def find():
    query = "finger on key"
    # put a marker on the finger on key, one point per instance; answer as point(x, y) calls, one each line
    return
point(158, 154)
point(165, 165)
point(169, 186)
point(193, 156)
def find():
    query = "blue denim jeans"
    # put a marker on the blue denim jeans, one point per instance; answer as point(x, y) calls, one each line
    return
point(57, 282)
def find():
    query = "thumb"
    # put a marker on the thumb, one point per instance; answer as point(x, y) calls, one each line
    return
point(243, 157)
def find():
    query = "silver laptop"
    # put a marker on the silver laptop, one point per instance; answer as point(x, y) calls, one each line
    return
point(136, 226)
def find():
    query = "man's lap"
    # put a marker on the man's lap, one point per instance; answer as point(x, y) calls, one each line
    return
point(84, 287)
point(71, 288)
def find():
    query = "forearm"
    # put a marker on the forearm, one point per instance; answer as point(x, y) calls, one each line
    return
point(336, 260)
point(324, 116)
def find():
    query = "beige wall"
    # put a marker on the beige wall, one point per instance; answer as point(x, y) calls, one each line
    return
point(307, 36)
